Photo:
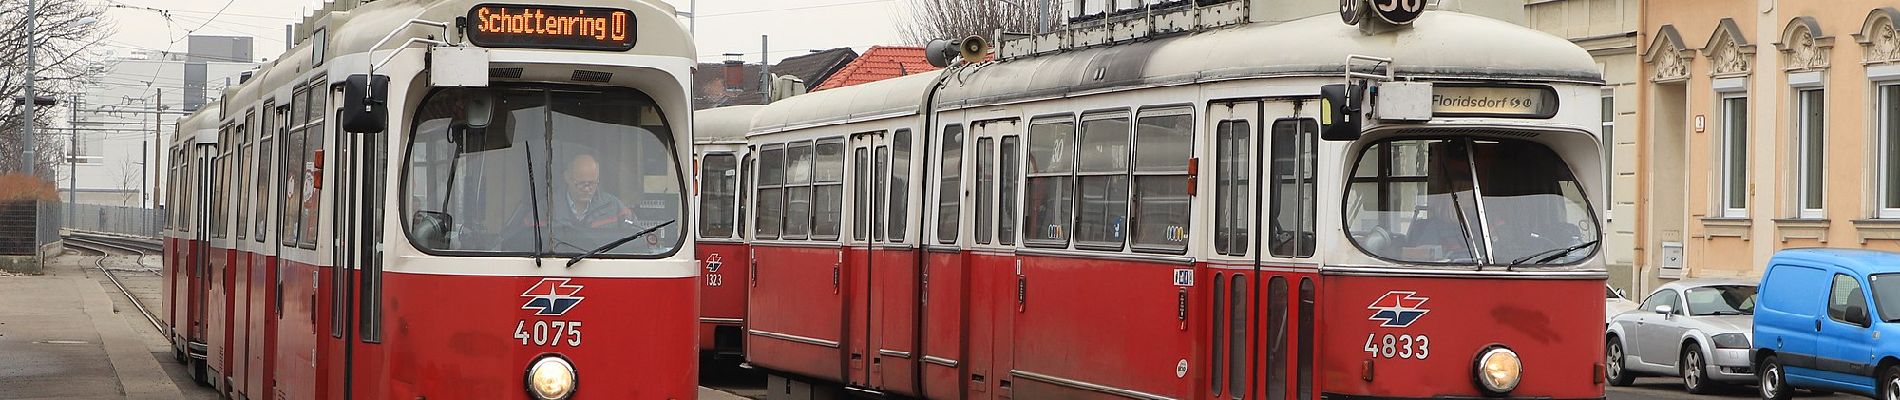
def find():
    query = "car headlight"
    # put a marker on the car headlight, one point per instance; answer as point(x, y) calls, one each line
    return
point(551, 378)
point(1730, 341)
point(1498, 370)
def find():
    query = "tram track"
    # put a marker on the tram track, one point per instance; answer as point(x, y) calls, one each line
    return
point(104, 249)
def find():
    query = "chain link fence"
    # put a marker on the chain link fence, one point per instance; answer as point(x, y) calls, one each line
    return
point(133, 221)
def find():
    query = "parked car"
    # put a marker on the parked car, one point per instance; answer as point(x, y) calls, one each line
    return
point(1822, 315)
point(1615, 302)
point(1693, 329)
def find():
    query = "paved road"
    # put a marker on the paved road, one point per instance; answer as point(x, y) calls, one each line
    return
point(1671, 388)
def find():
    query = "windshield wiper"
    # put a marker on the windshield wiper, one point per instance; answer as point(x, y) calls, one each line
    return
point(534, 201)
point(1552, 254)
point(617, 243)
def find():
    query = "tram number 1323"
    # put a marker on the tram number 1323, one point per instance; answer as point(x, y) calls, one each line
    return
point(549, 333)
point(1411, 347)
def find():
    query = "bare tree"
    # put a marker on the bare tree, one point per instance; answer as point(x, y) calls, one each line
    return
point(68, 33)
point(955, 19)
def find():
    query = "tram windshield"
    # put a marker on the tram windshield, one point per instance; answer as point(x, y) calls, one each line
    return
point(1466, 201)
point(534, 170)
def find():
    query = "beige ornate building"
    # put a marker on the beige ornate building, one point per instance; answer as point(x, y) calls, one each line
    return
point(1607, 28)
point(1763, 125)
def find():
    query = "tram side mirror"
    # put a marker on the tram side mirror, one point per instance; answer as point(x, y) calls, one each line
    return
point(365, 104)
point(431, 228)
point(1339, 112)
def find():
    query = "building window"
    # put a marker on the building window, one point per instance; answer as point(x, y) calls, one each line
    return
point(1609, 151)
point(1734, 157)
point(1888, 115)
point(1811, 139)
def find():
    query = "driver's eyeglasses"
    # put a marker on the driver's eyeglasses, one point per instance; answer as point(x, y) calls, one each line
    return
point(587, 184)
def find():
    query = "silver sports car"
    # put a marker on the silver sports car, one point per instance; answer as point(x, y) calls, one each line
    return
point(1696, 329)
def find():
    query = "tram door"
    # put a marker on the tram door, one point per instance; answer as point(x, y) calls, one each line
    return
point(359, 177)
point(1265, 159)
point(203, 170)
point(863, 300)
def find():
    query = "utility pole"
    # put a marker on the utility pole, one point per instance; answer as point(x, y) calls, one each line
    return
point(72, 158)
point(765, 67)
point(158, 124)
point(26, 130)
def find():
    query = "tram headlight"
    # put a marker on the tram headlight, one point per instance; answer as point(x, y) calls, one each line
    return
point(551, 378)
point(1498, 370)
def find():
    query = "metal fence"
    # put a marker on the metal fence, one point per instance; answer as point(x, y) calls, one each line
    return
point(47, 223)
point(133, 221)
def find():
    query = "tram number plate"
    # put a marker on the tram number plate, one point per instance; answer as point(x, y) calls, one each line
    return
point(715, 280)
point(1411, 347)
point(549, 333)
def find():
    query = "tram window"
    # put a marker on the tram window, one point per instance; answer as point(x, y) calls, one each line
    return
point(1276, 338)
point(798, 171)
point(881, 193)
point(292, 169)
point(243, 178)
point(266, 154)
point(1163, 145)
point(1292, 208)
point(828, 190)
point(314, 141)
point(1012, 168)
point(1049, 205)
point(985, 188)
point(1305, 373)
point(898, 218)
point(863, 192)
point(1455, 201)
point(745, 195)
point(718, 177)
point(220, 179)
point(950, 189)
point(1231, 193)
point(1102, 169)
point(771, 214)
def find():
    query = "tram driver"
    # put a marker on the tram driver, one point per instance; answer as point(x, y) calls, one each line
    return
point(583, 205)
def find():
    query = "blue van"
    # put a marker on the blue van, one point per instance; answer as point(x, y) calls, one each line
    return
point(1815, 328)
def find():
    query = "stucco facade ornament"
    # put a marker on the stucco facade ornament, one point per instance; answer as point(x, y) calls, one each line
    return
point(1880, 43)
point(1804, 46)
point(1729, 54)
point(1669, 60)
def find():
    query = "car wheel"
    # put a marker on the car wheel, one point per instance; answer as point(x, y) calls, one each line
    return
point(1890, 384)
point(1613, 364)
point(1694, 371)
point(1774, 382)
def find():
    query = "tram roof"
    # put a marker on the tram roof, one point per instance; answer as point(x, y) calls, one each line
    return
point(723, 124)
point(876, 100)
point(1439, 45)
point(191, 126)
point(353, 31)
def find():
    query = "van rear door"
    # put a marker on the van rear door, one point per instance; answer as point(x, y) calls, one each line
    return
point(1792, 305)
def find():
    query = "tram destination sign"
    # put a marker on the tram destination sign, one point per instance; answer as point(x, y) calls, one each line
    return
point(551, 27)
point(1494, 101)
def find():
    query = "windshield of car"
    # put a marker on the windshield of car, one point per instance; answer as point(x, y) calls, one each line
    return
point(1721, 300)
point(1886, 295)
point(541, 170)
point(1469, 201)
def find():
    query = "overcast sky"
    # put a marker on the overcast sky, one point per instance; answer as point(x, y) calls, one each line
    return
point(725, 26)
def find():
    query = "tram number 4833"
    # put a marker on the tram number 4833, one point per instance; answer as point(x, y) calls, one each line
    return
point(549, 333)
point(1411, 347)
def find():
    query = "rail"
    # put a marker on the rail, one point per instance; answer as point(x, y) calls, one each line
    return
point(91, 244)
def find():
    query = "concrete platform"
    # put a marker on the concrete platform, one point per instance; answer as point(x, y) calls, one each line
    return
point(63, 336)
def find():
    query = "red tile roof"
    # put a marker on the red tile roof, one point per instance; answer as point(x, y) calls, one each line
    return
point(879, 63)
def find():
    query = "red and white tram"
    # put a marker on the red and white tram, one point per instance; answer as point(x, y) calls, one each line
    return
point(718, 151)
point(444, 199)
point(1195, 214)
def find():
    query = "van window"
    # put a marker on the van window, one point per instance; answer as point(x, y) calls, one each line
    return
point(1845, 294)
point(1886, 289)
point(1665, 297)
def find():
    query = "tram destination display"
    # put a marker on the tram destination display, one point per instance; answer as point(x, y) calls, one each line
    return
point(1494, 101)
point(551, 27)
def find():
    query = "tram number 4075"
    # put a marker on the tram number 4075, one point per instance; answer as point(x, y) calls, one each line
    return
point(1411, 347)
point(549, 333)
